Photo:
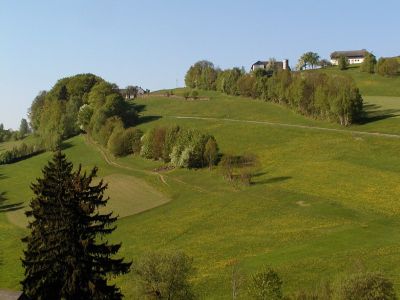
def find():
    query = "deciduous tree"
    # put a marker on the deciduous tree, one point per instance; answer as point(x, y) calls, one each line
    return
point(365, 286)
point(265, 285)
point(166, 276)
point(369, 63)
point(388, 66)
point(23, 128)
point(309, 59)
point(211, 152)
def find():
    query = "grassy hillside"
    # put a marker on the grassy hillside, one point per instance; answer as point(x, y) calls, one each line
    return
point(323, 203)
point(382, 113)
point(370, 84)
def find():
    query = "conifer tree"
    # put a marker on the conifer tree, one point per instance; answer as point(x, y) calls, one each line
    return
point(66, 255)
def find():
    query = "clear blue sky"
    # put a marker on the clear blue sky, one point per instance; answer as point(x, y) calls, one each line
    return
point(152, 43)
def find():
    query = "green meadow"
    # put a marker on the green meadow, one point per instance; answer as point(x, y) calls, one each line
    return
point(323, 203)
point(370, 84)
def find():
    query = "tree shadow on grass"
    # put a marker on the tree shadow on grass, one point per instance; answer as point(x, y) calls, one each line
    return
point(139, 107)
point(147, 119)
point(4, 207)
point(144, 119)
point(259, 174)
point(272, 180)
point(65, 145)
point(375, 113)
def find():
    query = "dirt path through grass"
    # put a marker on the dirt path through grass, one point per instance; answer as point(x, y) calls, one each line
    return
point(379, 134)
point(161, 176)
point(115, 164)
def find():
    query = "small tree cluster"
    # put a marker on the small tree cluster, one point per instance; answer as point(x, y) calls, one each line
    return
point(81, 102)
point(227, 81)
point(194, 94)
point(165, 276)
point(265, 285)
point(125, 141)
point(365, 286)
point(360, 286)
point(321, 96)
point(388, 66)
point(202, 75)
point(369, 63)
point(181, 147)
point(130, 92)
point(10, 135)
point(309, 60)
point(239, 168)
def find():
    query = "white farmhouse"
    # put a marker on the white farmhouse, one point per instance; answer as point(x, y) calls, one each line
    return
point(353, 57)
point(270, 65)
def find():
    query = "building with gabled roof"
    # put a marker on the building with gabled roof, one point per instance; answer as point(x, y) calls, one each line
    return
point(353, 56)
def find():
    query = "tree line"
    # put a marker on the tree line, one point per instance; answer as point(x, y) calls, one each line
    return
point(7, 135)
point(385, 66)
point(321, 96)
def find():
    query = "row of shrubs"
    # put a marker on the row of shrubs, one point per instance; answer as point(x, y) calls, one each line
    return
point(170, 276)
point(21, 152)
point(187, 94)
point(181, 147)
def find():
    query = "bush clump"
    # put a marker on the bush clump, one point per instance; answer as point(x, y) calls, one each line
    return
point(166, 276)
point(239, 169)
point(265, 284)
point(388, 66)
point(125, 141)
point(184, 148)
point(365, 286)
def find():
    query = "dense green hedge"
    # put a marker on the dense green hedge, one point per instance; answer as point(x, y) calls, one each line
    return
point(125, 141)
point(187, 148)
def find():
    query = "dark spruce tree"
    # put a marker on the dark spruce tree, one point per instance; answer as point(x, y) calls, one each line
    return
point(67, 256)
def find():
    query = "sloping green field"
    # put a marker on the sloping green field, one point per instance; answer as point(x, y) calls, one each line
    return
point(322, 204)
point(370, 84)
